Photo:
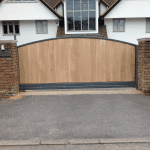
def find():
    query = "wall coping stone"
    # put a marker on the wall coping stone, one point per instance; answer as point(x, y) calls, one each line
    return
point(8, 41)
point(143, 39)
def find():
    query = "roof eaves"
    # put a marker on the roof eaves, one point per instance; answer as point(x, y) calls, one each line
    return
point(105, 3)
point(50, 8)
point(110, 8)
point(57, 4)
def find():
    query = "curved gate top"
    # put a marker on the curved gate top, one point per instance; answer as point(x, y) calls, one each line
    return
point(77, 62)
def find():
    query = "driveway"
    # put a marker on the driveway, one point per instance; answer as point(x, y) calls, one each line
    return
point(76, 116)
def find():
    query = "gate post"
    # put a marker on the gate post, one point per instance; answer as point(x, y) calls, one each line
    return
point(136, 66)
point(144, 64)
point(9, 70)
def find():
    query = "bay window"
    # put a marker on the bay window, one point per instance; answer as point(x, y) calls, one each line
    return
point(81, 15)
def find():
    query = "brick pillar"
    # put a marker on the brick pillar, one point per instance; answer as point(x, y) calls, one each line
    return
point(9, 71)
point(144, 64)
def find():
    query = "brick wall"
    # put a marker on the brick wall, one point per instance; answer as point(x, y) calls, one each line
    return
point(101, 32)
point(144, 64)
point(9, 72)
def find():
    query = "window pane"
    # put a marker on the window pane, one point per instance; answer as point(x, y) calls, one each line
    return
point(44, 25)
point(91, 4)
point(91, 20)
point(76, 4)
point(11, 29)
point(77, 19)
point(70, 20)
point(5, 29)
point(121, 25)
point(17, 29)
point(115, 25)
point(85, 20)
point(84, 4)
point(38, 27)
point(69, 4)
point(148, 25)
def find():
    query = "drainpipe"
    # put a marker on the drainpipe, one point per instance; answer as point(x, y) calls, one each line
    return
point(14, 36)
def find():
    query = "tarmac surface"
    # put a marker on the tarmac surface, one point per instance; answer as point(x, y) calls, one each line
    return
point(75, 116)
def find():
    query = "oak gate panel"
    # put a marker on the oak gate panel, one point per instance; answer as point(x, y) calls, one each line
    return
point(77, 61)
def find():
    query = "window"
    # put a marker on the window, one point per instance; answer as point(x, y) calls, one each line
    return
point(10, 27)
point(81, 15)
point(148, 25)
point(21, 1)
point(41, 27)
point(119, 25)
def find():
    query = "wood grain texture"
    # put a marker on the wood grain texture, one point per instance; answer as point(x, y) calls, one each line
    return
point(75, 60)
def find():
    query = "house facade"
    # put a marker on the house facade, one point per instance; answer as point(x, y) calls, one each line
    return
point(128, 20)
point(30, 21)
point(34, 20)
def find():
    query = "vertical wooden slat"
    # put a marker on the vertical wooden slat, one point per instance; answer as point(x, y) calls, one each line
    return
point(111, 59)
point(72, 52)
point(77, 65)
point(128, 63)
point(26, 64)
point(118, 62)
point(114, 61)
point(88, 60)
point(81, 60)
point(30, 56)
point(65, 59)
point(93, 60)
point(58, 62)
point(107, 61)
point(21, 65)
point(132, 63)
point(35, 65)
point(123, 63)
point(52, 61)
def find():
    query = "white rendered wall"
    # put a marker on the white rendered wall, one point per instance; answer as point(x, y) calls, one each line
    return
point(65, 21)
point(134, 29)
point(103, 8)
point(60, 10)
point(25, 11)
point(28, 32)
point(130, 9)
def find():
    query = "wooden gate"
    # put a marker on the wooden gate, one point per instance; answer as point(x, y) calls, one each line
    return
point(81, 62)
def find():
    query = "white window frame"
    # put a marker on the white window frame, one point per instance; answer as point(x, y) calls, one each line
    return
point(10, 34)
point(41, 26)
point(119, 30)
point(81, 31)
point(147, 20)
